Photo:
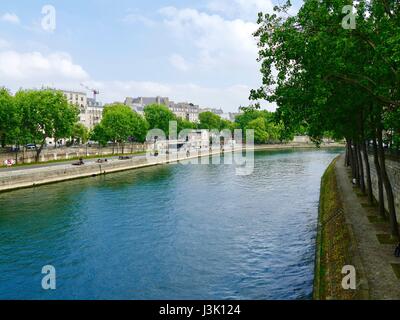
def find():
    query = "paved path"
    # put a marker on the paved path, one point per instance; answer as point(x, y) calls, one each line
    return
point(376, 258)
point(66, 163)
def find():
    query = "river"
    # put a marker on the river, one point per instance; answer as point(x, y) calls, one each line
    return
point(168, 232)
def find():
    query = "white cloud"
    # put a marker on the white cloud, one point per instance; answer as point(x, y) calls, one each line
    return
point(4, 44)
point(10, 17)
point(244, 9)
point(57, 70)
point(219, 43)
point(16, 66)
point(134, 18)
point(179, 62)
point(228, 98)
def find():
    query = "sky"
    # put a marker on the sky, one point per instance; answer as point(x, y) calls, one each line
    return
point(199, 51)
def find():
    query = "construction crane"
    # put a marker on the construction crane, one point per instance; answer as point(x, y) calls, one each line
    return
point(95, 91)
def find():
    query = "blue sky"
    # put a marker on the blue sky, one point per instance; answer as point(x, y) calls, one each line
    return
point(196, 51)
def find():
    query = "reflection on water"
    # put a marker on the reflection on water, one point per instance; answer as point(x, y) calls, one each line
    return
point(168, 232)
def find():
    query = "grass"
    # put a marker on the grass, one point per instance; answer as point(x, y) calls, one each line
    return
point(376, 219)
point(396, 269)
point(333, 242)
point(385, 238)
point(361, 195)
point(369, 205)
point(74, 159)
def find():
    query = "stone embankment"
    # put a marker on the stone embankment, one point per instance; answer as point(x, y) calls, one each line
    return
point(21, 177)
point(393, 170)
point(351, 233)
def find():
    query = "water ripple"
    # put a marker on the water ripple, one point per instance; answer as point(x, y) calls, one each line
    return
point(169, 232)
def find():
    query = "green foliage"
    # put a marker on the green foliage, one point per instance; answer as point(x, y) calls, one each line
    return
point(267, 129)
point(158, 117)
point(229, 125)
point(9, 118)
point(260, 130)
point(44, 114)
point(392, 125)
point(80, 133)
point(120, 123)
point(99, 134)
point(185, 124)
point(209, 121)
point(325, 78)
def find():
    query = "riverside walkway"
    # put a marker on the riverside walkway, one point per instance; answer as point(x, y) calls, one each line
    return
point(377, 256)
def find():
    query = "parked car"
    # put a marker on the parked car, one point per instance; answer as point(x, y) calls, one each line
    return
point(30, 146)
point(14, 149)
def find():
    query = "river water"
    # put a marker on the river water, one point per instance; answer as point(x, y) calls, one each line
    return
point(168, 232)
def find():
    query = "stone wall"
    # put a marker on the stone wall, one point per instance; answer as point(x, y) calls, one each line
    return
point(30, 177)
point(51, 154)
point(393, 170)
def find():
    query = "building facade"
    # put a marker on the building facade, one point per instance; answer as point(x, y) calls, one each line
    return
point(90, 111)
point(218, 112)
point(94, 113)
point(187, 111)
point(231, 116)
point(184, 110)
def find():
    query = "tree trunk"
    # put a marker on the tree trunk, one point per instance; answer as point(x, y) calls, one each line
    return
point(356, 165)
point(39, 151)
point(388, 187)
point(3, 140)
point(361, 169)
point(368, 172)
point(352, 161)
point(347, 156)
point(381, 199)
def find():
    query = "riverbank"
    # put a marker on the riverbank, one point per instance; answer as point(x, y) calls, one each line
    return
point(334, 242)
point(35, 176)
point(349, 233)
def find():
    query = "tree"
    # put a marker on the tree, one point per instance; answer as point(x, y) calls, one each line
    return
point(335, 79)
point(158, 117)
point(80, 133)
point(272, 129)
point(9, 118)
point(185, 124)
point(139, 127)
point(120, 124)
point(65, 117)
point(260, 130)
point(44, 114)
point(209, 121)
point(99, 134)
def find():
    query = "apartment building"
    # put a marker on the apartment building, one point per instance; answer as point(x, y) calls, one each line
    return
point(218, 112)
point(94, 113)
point(90, 111)
point(183, 110)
